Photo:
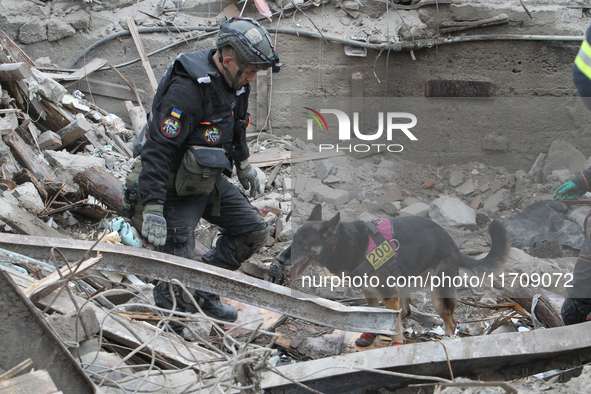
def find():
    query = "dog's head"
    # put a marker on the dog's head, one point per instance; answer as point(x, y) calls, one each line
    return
point(311, 241)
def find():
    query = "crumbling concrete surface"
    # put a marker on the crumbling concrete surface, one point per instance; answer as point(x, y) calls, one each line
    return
point(67, 143)
point(57, 32)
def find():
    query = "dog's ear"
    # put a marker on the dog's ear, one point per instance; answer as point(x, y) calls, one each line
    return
point(329, 228)
point(334, 221)
point(316, 214)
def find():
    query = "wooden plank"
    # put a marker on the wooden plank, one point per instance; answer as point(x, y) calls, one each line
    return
point(27, 176)
point(450, 26)
point(137, 116)
point(140, 48)
point(110, 140)
point(22, 281)
point(80, 73)
point(263, 158)
point(14, 71)
point(106, 188)
point(16, 369)
point(15, 92)
point(107, 89)
point(5, 127)
point(34, 102)
point(273, 175)
point(9, 110)
point(74, 130)
point(25, 223)
point(89, 68)
point(16, 54)
point(48, 284)
point(38, 382)
point(132, 87)
point(28, 159)
point(273, 156)
point(58, 116)
point(123, 148)
point(316, 156)
point(262, 98)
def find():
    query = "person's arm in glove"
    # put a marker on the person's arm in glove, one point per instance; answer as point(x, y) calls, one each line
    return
point(567, 191)
point(154, 226)
point(248, 177)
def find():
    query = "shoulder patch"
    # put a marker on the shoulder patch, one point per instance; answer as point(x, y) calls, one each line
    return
point(176, 113)
point(212, 135)
point(170, 127)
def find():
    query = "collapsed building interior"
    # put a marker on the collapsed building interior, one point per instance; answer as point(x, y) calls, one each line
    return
point(499, 128)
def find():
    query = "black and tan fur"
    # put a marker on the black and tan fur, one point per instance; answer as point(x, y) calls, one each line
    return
point(424, 247)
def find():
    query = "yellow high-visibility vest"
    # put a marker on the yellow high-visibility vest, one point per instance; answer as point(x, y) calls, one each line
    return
point(583, 59)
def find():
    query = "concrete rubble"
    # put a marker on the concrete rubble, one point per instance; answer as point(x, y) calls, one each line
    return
point(62, 123)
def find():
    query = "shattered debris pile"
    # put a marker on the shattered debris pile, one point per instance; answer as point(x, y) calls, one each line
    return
point(63, 161)
point(49, 136)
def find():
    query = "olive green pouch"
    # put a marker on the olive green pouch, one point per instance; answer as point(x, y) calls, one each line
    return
point(199, 170)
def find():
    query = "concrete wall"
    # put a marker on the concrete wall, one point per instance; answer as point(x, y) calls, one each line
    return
point(314, 68)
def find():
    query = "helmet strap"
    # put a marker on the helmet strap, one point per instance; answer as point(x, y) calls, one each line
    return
point(233, 79)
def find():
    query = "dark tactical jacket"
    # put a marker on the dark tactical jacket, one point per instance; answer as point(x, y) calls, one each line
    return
point(193, 105)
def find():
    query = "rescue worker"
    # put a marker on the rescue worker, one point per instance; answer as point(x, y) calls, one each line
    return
point(577, 306)
point(196, 132)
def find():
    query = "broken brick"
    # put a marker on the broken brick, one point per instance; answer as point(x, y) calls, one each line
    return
point(390, 196)
point(476, 203)
point(331, 196)
point(429, 183)
point(49, 140)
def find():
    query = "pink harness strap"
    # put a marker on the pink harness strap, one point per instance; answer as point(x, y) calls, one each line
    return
point(385, 227)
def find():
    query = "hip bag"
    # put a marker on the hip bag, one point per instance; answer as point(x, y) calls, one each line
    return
point(199, 170)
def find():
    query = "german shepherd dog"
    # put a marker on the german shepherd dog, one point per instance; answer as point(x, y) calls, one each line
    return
point(424, 248)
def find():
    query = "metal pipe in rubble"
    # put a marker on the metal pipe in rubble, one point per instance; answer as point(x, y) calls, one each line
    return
point(384, 46)
point(428, 43)
point(142, 30)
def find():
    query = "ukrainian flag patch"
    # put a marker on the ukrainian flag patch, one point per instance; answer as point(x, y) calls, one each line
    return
point(176, 113)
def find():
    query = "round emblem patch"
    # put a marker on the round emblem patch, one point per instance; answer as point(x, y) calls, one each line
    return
point(170, 127)
point(212, 135)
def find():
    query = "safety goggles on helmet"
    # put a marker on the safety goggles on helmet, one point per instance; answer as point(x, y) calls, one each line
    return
point(251, 41)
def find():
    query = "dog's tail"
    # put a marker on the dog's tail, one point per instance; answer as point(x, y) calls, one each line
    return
point(501, 243)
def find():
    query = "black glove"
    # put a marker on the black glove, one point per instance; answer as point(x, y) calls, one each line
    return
point(276, 273)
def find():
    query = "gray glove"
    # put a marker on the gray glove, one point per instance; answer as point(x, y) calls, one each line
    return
point(247, 176)
point(154, 226)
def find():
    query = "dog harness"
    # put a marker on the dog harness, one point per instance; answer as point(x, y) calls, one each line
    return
point(382, 249)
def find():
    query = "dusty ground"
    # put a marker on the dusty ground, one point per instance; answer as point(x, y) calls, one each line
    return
point(61, 30)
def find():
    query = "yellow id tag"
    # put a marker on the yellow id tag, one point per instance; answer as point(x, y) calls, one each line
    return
point(381, 255)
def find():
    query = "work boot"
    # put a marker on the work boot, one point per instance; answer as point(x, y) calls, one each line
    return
point(163, 299)
point(365, 339)
point(213, 307)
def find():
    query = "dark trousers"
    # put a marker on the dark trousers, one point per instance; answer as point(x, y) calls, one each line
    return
point(243, 229)
point(243, 233)
point(578, 304)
